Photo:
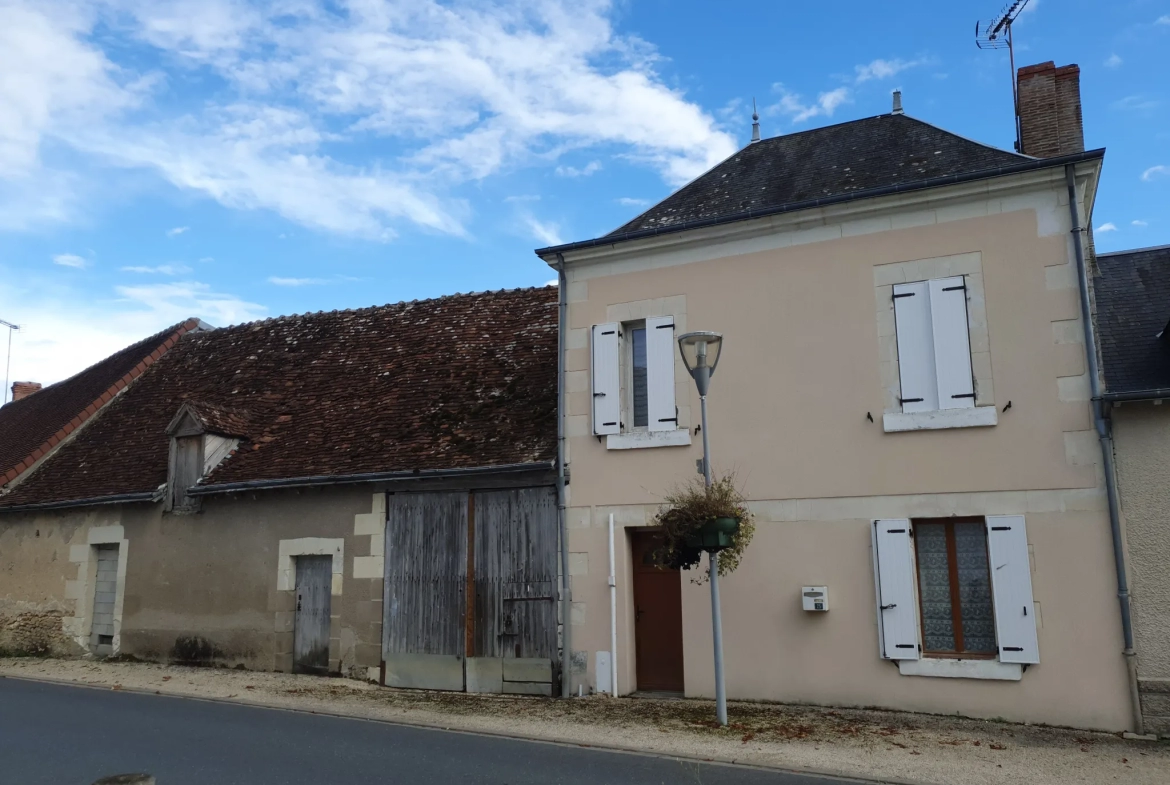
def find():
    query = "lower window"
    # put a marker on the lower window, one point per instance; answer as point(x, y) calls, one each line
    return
point(954, 588)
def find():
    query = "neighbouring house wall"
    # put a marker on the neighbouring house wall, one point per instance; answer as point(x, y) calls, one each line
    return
point(212, 588)
point(802, 365)
point(1141, 438)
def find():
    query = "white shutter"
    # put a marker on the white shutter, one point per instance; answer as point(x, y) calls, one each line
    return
point(915, 347)
point(952, 343)
point(662, 416)
point(1011, 589)
point(606, 388)
point(897, 607)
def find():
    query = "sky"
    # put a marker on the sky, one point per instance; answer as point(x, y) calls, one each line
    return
point(235, 160)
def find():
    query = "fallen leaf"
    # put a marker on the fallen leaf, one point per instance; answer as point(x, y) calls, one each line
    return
point(997, 746)
point(166, 678)
point(915, 752)
point(116, 687)
point(748, 737)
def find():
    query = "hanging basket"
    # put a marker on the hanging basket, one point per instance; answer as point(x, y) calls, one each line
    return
point(714, 535)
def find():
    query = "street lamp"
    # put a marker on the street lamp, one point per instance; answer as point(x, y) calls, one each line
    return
point(700, 354)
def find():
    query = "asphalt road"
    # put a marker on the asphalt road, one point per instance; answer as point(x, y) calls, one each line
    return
point(62, 735)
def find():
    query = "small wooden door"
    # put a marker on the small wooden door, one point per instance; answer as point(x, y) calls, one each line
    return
point(658, 640)
point(311, 624)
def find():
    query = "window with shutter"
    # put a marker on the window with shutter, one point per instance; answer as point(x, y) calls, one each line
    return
point(894, 576)
point(954, 587)
point(606, 384)
point(660, 349)
point(934, 345)
point(1011, 585)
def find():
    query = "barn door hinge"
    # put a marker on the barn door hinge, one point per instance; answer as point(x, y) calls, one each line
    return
point(954, 288)
point(964, 395)
point(910, 400)
point(904, 294)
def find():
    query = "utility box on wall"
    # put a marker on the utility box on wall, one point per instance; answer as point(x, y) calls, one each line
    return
point(815, 598)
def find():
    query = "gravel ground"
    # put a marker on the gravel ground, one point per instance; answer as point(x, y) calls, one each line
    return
point(872, 744)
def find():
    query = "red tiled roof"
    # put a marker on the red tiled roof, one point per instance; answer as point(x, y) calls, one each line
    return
point(464, 381)
point(32, 426)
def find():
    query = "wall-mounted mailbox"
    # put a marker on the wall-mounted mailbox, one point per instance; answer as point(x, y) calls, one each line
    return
point(815, 598)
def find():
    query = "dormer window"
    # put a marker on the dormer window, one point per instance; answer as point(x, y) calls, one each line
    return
point(202, 437)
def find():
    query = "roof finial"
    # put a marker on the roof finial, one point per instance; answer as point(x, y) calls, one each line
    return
point(755, 123)
point(898, 102)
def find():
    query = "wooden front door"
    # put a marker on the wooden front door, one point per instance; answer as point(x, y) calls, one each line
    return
point(658, 640)
point(311, 623)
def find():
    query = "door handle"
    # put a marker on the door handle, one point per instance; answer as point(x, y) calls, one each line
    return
point(638, 614)
point(891, 605)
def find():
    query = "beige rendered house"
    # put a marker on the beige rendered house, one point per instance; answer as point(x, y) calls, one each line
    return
point(903, 394)
point(1132, 297)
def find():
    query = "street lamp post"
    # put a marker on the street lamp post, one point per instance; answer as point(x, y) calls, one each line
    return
point(700, 353)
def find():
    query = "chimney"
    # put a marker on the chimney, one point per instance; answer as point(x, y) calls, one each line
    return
point(24, 389)
point(897, 102)
point(1050, 110)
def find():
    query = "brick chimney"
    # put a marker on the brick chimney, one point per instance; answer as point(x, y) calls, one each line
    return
point(24, 389)
point(1050, 110)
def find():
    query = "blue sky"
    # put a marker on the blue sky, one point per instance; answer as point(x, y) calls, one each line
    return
point(236, 160)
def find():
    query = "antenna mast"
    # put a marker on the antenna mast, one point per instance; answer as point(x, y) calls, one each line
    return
point(997, 34)
point(11, 329)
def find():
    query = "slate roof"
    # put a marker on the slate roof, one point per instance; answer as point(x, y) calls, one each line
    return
point(1133, 306)
point(456, 382)
point(874, 152)
point(32, 426)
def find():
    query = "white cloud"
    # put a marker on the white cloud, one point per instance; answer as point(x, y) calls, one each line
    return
point(523, 198)
point(1138, 222)
point(162, 269)
point(1107, 227)
point(178, 230)
point(173, 302)
point(1155, 172)
point(1135, 103)
point(206, 259)
point(278, 281)
point(883, 69)
point(70, 260)
point(585, 171)
point(553, 282)
point(1113, 61)
point(626, 201)
point(542, 231)
point(1163, 20)
point(441, 93)
point(65, 330)
point(794, 106)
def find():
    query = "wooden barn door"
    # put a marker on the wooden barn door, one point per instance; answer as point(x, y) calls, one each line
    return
point(424, 604)
point(515, 571)
point(470, 591)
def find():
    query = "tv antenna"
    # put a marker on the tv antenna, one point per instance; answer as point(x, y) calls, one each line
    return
point(997, 34)
point(8, 362)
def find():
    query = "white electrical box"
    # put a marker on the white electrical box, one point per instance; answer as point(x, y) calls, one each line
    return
point(815, 598)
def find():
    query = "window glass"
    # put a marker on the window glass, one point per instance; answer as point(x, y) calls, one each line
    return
point(638, 382)
point(934, 586)
point(954, 587)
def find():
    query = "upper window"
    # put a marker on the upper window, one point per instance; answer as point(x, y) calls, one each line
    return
point(633, 376)
point(934, 345)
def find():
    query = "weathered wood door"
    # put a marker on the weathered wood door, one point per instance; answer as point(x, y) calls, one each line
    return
point(424, 604)
point(658, 640)
point(515, 573)
point(311, 622)
point(470, 592)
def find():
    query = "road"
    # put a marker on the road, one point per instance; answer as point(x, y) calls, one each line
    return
point(62, 735)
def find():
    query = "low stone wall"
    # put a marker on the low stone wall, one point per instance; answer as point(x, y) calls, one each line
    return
point(1155, 695)
point(35, 634)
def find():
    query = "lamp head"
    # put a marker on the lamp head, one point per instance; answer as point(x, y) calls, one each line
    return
point(700, 350)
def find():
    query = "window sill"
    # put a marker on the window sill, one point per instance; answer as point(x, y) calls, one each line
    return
point(636, 440)
point(961, 669)
point(975, 417)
